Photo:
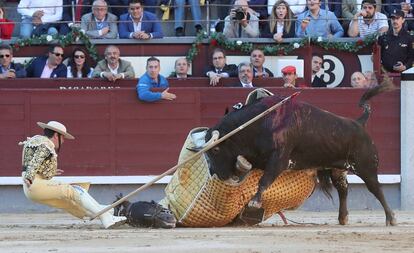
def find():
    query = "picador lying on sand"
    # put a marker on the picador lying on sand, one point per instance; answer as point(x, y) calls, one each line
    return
point(299, 136)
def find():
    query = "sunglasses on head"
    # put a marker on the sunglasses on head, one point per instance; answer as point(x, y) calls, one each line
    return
point(4, 55)
point(57, 54)
point(79, 56)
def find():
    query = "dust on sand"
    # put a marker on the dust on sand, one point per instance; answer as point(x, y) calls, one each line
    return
point(318, 232)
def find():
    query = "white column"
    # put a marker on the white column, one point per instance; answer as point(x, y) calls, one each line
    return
point(407, 140)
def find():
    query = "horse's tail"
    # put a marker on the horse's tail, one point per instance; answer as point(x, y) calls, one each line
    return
point(386, 85)
point(324, 177)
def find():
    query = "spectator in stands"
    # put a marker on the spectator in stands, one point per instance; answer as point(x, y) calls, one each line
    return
point(153, 79)
point(245, 74)
point(50, 66)
point(6, 26)
point(223, 7)
point(9, 69)
point(317, 62)
point(317, 23)
point(113, 68)
point(289, 76)
point(139, 24)
point(241, 22)
point(280, 23)
point(352, 7)
point(181, 67)
point(367, 21)
point(100, 24)
point(78, 66)
point(220, 69)
point(179, 12)
point(296, 6)
point(358, 80)
point(397, 50)
point(39, 17)
point(371, 79)
point(257, 59)
point(70, 7)
point(391, 5)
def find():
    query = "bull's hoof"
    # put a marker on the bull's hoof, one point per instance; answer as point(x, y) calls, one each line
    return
point(391, 221)
point(343, 220)
point(255, 204)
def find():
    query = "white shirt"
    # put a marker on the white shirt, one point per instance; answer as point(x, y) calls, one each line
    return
point(46, 71)
point(52, 9)
point(379, 21)
point(279, 27)
point(247, 85)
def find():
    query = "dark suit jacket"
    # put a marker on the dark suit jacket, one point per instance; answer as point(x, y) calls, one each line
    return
point(239, 85)
point(318, 82)
point(154, 28)
point(266, 70)
point(67, 9)
point(18, 68)
point(35, 69)
point(230, 69)
point(286, 34)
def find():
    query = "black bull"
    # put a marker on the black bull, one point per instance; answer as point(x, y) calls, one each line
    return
point(299, 136)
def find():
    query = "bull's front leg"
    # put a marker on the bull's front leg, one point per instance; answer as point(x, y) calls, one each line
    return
point(274, 166)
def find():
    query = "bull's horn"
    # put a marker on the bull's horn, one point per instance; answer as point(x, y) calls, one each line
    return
point(242, 165)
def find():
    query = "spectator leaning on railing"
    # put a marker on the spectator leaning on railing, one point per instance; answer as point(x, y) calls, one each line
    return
point(318, 23)
point(220, 69)
point(100, 24)
point(50, 66)
point(78, 66)
point(241, 22)
point(367, 21)
point(139, 24)
point(397, 46)
point(153, 79)
point(39, 17)
point(9, 69)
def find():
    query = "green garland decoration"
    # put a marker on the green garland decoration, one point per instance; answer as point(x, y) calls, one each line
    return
point(219, 40)
point(75, 35)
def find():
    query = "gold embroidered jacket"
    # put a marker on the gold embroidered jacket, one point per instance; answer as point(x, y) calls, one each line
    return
point(39, 157)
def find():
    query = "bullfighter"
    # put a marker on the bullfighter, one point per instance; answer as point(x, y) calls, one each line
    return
point(39, 161)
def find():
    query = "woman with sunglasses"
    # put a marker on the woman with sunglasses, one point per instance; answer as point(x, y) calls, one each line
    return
point(281, 24)
point(78, 66)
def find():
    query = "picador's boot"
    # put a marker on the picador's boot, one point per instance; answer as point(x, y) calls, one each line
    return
point(92, 207)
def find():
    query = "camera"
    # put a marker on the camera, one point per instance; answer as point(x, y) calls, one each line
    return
point(240, 14)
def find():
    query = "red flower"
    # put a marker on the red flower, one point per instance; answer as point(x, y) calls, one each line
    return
point(16, 46)
point(213, 42)
point(360, 42)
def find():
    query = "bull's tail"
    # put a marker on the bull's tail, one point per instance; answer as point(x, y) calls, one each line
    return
point(324, 178)
point(386, 85)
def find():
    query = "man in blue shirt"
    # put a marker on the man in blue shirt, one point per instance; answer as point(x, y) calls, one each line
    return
point(316, 22)
point(153, 79)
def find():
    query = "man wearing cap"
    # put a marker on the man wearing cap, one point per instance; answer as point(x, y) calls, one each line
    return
point(397, 46)
point(367, 21)
point(39, 166)
point(289, 76)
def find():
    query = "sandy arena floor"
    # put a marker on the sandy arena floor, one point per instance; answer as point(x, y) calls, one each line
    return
point(58, 232)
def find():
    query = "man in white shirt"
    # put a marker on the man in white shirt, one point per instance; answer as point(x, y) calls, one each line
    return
point(367, 21)
point(38, 17)
point(112, 67)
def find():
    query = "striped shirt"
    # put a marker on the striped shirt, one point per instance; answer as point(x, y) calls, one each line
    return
point(379, 21)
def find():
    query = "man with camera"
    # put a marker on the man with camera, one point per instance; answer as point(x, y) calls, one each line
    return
point(242, 22)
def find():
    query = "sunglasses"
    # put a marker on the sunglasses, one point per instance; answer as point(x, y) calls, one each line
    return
point(79, 56)
point(4, 55)
point(57, 54)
